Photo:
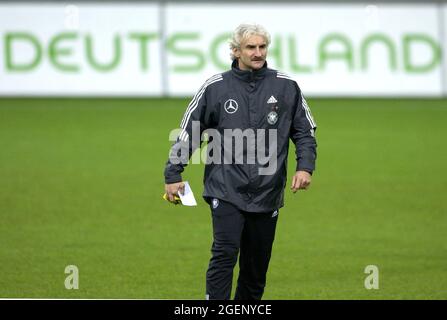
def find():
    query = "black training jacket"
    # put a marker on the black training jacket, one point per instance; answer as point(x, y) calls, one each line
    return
point(237, 99)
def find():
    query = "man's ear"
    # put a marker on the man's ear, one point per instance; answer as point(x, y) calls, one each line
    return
point(236, 52)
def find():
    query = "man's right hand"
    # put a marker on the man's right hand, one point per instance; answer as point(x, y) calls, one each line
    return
point(173, 189)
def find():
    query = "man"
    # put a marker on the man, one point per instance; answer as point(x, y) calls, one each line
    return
point(245, 197)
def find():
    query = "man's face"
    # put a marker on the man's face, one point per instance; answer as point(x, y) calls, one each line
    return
point(252, 53)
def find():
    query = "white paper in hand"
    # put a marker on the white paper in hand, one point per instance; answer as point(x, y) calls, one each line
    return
point(187, 197)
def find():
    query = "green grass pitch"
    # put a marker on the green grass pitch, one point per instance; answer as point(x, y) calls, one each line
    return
point(81, 182)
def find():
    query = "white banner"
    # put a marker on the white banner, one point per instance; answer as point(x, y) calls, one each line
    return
point(52, 49)
point(116, 49)
point(333, 50)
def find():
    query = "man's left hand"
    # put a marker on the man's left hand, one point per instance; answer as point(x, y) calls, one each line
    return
point(301, 180)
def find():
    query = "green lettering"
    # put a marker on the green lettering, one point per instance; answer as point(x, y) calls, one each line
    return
point(275, 52)
point(215, 49)
point(409, 65)
point(143, 40)
point(171, 45)
point(378, 38)
point(13, 66)
point(104, 67)
point(55, 52)
point(325, 54)
point(293, 55)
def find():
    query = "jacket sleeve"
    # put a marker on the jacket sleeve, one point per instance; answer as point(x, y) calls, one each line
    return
point(303, 134)
point(188, 140)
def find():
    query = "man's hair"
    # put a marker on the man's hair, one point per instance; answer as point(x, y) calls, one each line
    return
point(244, 31)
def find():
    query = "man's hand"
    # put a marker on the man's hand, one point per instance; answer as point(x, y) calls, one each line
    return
point(173, 189)
point(301, 180)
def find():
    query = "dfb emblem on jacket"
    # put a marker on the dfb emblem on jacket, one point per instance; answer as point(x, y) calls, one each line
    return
point(231, 106)
point(272, 117)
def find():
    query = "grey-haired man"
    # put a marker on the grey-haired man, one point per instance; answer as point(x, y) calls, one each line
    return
point(245, 198)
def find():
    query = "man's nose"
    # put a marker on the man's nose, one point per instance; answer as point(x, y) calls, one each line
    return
point(258, 52)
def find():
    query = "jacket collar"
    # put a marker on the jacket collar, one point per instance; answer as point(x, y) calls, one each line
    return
point(246, 75)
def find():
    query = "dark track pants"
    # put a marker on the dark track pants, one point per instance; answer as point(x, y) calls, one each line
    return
point(250, 233)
